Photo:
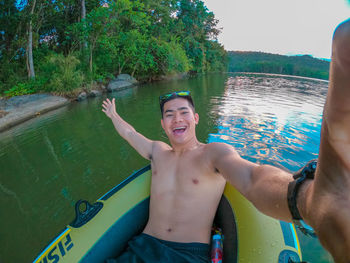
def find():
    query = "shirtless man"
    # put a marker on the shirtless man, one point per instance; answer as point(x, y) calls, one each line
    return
point(188, 177)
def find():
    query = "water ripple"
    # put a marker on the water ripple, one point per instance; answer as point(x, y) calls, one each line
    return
point(273, 120)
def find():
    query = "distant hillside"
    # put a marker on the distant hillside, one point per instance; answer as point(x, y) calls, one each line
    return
point(305, 65)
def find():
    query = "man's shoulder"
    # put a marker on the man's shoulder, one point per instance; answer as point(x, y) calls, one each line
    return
point(219, 149)
point(161, 146)
point(158, 148)
point(219, 146)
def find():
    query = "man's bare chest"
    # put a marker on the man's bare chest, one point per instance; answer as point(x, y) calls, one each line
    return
point(187, 173)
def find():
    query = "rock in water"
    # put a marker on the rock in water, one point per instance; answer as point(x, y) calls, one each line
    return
point(126, 77)
point(82, 96)
point(118, 84)
point(94, 93)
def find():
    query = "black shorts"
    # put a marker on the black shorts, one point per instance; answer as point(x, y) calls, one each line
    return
point(148, 249)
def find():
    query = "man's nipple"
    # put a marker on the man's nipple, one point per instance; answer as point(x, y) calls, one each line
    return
point(169, 230)
point(195, 181)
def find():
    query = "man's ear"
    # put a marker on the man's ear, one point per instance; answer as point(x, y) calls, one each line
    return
point(196, 118)
point(162, 123)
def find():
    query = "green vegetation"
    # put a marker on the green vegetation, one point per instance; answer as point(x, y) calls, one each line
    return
point(306, 66)
point(59, 46)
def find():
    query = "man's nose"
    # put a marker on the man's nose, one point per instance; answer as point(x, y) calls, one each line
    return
point(177, 117)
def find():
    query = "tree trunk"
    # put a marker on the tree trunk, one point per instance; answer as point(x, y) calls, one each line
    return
point(134, 69)
point(83, 10)
point(91, 59)
point(31, 71)
point(121, 67)
point(27, 63)
point(83, 16)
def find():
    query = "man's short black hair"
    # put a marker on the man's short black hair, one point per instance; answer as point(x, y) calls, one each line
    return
point(172, 96)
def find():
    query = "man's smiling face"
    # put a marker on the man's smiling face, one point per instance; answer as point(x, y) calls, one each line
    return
point(179, 121)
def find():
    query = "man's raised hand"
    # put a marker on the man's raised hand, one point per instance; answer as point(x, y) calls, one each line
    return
point(109, 107)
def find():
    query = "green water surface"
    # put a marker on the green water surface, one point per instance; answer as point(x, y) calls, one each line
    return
point(50, 162)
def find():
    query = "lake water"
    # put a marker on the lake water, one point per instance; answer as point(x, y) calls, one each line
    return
point(50, 162)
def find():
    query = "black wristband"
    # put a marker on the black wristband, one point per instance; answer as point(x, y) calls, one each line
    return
point(307, 172)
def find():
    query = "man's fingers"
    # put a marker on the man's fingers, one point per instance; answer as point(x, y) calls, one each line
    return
point(105, 104)
point(107, 101)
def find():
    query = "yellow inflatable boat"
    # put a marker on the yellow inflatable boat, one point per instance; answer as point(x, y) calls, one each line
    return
point(101, 230)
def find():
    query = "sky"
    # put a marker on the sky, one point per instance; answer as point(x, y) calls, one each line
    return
point(286, 27)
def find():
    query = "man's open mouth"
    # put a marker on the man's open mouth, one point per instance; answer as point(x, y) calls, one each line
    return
point(179, 130)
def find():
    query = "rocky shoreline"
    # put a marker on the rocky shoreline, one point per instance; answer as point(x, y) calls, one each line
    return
point(19, 109)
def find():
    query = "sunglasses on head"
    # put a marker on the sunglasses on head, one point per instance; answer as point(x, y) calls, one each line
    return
point(167, 96)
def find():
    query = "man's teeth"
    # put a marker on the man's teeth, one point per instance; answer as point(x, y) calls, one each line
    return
point(179, 128)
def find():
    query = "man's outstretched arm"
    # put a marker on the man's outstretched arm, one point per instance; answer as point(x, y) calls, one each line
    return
point(263, 185)
point(324, 203)
point(139, 142)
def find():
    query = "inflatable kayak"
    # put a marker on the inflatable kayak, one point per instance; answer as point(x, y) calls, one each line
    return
point(101, 230)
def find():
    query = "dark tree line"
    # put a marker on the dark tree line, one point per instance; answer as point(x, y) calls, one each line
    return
point(305, 65)
point(58, 46)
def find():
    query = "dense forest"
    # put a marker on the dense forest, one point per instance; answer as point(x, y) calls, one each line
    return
point(60, 46)
point(305, 65)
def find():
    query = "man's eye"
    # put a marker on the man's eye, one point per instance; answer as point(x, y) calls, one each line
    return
point(184, 112)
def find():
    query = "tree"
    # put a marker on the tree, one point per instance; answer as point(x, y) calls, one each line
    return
point(147, 39)
point(83, 17)
point(271, 63)
point(198, 26)
point(30, 63)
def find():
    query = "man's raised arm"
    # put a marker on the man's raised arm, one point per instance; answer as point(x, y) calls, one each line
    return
point(327, 207)
point(139, 142)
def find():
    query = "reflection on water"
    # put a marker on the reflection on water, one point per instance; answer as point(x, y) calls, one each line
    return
point(50, 162)
point(272, 119)
point(277, 121)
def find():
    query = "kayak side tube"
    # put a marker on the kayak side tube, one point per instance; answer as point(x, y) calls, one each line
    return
point(123, 215)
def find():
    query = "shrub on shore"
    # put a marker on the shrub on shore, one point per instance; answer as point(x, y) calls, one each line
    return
point(65, 76)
